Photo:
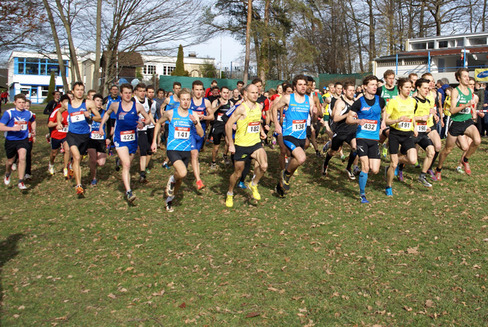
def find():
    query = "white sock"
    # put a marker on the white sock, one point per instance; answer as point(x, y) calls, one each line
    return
point(172, 179)
point(230, 193)
point(169, 199)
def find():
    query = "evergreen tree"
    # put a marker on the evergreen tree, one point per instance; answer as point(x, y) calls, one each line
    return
point(180, 66)
point(52, 87)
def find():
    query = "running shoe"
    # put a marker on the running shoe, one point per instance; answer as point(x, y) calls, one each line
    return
point(417, 165)
point(131, 197)
point(22, 186)
point(94, 182)
point(280, 191)
point(6, 180)
point(242, 185)
point(27, 177)
point(80, 191)
point(165, 165)
point(363, 199)
point(71, 173)
point(460, 170)
point(229, 201)
point(65, 173)
point(255, 192)
point(384, 151)
point(148, 171)
point(170, 188)
point(285, 180)
point(14, 166)
point(350, 174)
point(213, 166)
point(424, 182)
point(343, 158)
point(326, 147)
point(432, 174)
point(143, 180)
point(356, 171)
point(438, 175)
point(48, 138)
point(169, 206)
point(467, 168)
point(117, 164)
point(226, 159)
point(51, 169)
point(200, 184)
point(388, 191)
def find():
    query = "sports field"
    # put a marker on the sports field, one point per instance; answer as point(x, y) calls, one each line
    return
point(316, 258)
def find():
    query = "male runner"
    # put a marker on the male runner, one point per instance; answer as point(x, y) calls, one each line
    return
point(79, 111)
point(98, 142)
point(171, 102)
point(58, 137)
point(247, 142)
point(219, 107)
point(182, 120)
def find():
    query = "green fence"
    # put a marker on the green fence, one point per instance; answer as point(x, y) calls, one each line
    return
point(166, 82)
point(325, 79)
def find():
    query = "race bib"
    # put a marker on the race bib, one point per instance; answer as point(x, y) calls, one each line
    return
point(127, 136)
point(298, 125)
point(220, 116)
point(64, 129)
point(370, 125)
point(405, 124)
point(254, 127)
point(76, 117)
point(422, 127)
point(22, 124)
point(182, 133)
point(95, 135)
point(466, 111)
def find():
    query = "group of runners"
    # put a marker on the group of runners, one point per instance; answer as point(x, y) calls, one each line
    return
point(402, 116)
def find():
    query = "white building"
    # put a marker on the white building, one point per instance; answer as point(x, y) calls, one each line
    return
point(439, 55)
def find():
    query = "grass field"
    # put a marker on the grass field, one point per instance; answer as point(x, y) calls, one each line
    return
point(315, 258)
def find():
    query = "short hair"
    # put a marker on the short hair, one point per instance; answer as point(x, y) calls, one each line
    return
point(215, 88)
point(28, 101)
point(98, 95)
point(421, 81)
point(272, 91)
point(286, 86)
point(348, 83)
point(184, 91)
point(176, 83)
point(224, 87)
point(389, 72)
point(369, 78)
point(256, 81)
point(214, 81)
point(75, 84)
point(65, 97)
point(91, 91)
point(401, 82)
point(114, 86)
point(150, 87)
point(310, 79)
point(126, 86)
point(297, 78)
point(412, 74)
point(54, 92)
point(20, 96)
point(195, 83)
point(141, 86)
point(458, 72)
point(338, 83)
point(240, 82)
point(424, 75)
point(445, 80)
point(161, 90)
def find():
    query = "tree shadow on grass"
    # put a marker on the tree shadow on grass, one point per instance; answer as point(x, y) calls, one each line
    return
point(8, 250)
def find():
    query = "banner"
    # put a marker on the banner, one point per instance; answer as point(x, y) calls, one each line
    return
point(481, 74)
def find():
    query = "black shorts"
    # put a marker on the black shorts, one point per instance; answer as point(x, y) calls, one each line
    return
point(309, 132)
point(143, 143)
point(79, 140)
point(98, 145)
point(244, 152)
point(150, 136)
point(12, 146)
point(458, 128)
point(110, 125)
point(399, 138)
point(218, 133)
point(339, 139)
point(292, 143)
point(174, 155)
point(368, 148)
point(423, 140)
point(56, 144)
point(164, 135)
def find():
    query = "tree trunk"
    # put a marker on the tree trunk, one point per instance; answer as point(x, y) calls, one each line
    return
point(248, 41)
point(483, 17)
point(372, 41)
point(72, 50)
point(96, 73)
point(264, 55)
point(62, 68)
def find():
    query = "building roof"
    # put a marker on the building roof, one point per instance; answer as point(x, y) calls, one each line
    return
point(31, 54)
point(434, 52)
point(444, 37)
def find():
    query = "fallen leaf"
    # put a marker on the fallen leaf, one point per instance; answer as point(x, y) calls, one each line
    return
point(413, 250)
point(407, 308)
point(112, 296)
point(252, 314)
point(429, 303)
point(183, 305)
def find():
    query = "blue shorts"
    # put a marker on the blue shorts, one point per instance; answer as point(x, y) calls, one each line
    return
point(292, 142)
point(197, 142)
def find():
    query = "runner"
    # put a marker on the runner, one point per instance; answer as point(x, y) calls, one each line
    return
point(462, 123)
point(366, 113)
point(399, 115)
point(182, 120)
point(14, 122)
point(313, 126)
point(58, 137)
point(423, 109)
point(219, 107)
point(171, 102)
point(387, 92)
point(247, 142)
point(343, 131)
point(98, 142)
point(107, 102)
point(78, 129)
point(125, 136)
point(203, 109)
point(300, 108)
point(32, 140)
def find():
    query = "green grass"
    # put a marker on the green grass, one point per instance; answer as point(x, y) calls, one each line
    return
point(317, 257)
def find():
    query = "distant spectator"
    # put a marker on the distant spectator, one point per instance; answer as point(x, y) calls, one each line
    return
point(214, 94)
point(53, 103)
point(4, 97)
point(209, 90)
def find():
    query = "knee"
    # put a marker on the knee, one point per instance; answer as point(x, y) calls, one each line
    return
point(101, 162)
point(264, 166)
point(375, 170)
point(301, 160)
point(393, 165)
point(477, 141)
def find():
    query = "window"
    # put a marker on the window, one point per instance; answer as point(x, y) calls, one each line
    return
point(443, 44)
point(149, 70)
point(168, 70)
point(44, 91)
point(460, 42)
point(419, 46)
point(32, 68)
point(431, 45)
point(37, 66)
point(478, 41)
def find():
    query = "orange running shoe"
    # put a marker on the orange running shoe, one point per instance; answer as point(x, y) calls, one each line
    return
point(200, 184)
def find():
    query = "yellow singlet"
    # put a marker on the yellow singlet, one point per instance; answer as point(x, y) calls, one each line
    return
point(248, 129)
point(397, 108)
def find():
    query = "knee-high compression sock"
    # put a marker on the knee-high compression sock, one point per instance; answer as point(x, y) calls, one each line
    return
point(247, 168)
point(433, 160)
point(352, 156)
point(327, 159)
point(363, 179)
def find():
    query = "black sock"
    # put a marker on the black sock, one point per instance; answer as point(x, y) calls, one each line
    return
point(352, 157)
point(465, 159)
point(327, 159)
point(401, 166)
point(433, 160)
point(142, 174)
point(438, 169)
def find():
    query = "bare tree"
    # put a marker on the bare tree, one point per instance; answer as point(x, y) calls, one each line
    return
point(98, 45)
point(248, 40)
